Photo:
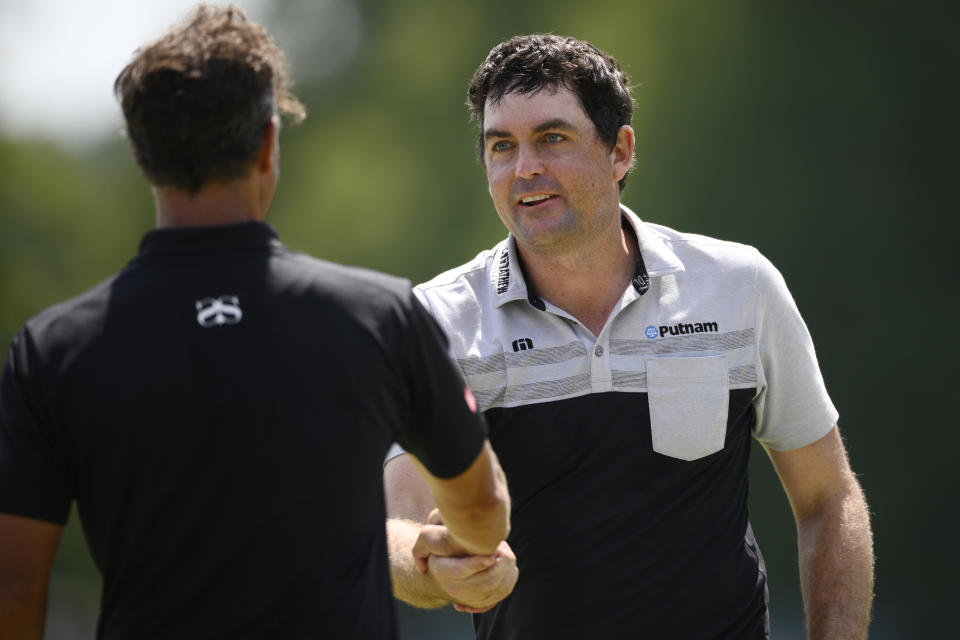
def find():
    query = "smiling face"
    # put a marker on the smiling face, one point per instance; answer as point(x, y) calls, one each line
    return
point(551, 178)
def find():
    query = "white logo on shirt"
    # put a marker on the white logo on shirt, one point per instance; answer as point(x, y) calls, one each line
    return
point(216, 312)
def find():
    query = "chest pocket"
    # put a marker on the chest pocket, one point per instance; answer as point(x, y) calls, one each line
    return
point(688, 399)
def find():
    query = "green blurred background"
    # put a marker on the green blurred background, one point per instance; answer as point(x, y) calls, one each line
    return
point(825, 134)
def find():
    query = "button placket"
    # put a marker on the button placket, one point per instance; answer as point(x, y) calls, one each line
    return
point(600, 364)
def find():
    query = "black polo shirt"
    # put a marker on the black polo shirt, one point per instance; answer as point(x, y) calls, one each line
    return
point(220, 410)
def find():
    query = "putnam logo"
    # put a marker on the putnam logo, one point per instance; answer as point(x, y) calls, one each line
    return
point(681, 329)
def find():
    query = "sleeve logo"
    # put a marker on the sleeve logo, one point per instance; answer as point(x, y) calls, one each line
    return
point(216, 312)
point(470, 399)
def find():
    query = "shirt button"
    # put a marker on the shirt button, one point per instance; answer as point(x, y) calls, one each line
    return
point(598, 351)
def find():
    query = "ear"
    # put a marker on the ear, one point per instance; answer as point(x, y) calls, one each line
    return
point(622, 152)
point(268, 153)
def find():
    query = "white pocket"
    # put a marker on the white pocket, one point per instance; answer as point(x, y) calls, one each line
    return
point(688, 399)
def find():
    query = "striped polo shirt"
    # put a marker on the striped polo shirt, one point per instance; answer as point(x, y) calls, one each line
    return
point(627, 452)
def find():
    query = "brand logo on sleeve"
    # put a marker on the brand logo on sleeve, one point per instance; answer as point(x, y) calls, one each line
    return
point(681, 329)
point(216, 312)
point(470, 399)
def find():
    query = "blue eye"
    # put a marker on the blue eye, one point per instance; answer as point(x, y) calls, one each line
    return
point(502, 145)
point(553, 137)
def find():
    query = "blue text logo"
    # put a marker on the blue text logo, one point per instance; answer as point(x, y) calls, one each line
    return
point(652, 332)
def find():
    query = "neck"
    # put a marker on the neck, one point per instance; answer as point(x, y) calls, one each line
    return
point(586, 283)
point(214, 204)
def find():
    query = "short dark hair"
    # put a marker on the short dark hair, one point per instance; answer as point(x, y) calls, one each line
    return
point(531, 63)
point(197, 99)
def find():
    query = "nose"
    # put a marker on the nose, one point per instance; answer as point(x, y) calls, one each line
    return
point(529, 163)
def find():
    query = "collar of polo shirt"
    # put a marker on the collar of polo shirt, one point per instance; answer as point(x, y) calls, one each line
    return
point(508, 283)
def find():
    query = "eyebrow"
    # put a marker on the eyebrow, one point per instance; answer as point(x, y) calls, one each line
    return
point(556, 123)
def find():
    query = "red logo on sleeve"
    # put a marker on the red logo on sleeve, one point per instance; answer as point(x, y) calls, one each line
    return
point(471, 401)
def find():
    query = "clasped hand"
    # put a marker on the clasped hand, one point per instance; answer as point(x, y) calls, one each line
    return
point(474, 583)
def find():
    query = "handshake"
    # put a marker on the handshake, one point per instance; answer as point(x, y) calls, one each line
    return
point(473, 583)
point(465, 560)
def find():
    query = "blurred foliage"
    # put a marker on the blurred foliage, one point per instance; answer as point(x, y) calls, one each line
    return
point(823, 134)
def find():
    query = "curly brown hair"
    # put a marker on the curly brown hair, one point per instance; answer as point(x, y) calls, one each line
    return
point(197, 99)
point(531, 63)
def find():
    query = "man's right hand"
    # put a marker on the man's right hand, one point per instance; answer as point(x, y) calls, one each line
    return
point(439, 571)
point(476, 583)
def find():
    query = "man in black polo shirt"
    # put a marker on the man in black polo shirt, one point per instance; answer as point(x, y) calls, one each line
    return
point(625, 369)
point(220, 409)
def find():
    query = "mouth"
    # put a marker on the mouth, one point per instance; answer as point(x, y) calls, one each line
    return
point(533, 201)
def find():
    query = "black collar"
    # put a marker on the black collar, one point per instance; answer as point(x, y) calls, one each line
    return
point(640, 279)
point(192, 240)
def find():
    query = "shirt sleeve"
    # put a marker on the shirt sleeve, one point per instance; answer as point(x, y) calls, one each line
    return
point(34, 479)
point(446, 431)
point(793, 407)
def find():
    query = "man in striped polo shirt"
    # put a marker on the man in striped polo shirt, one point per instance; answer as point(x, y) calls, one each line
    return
point(624, 369)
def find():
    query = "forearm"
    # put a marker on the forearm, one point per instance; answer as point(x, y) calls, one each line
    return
point(836, 567)
point(409, 585)
point(475, 505)
point(22, 614)
point(27, 550)
point(481, 528)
